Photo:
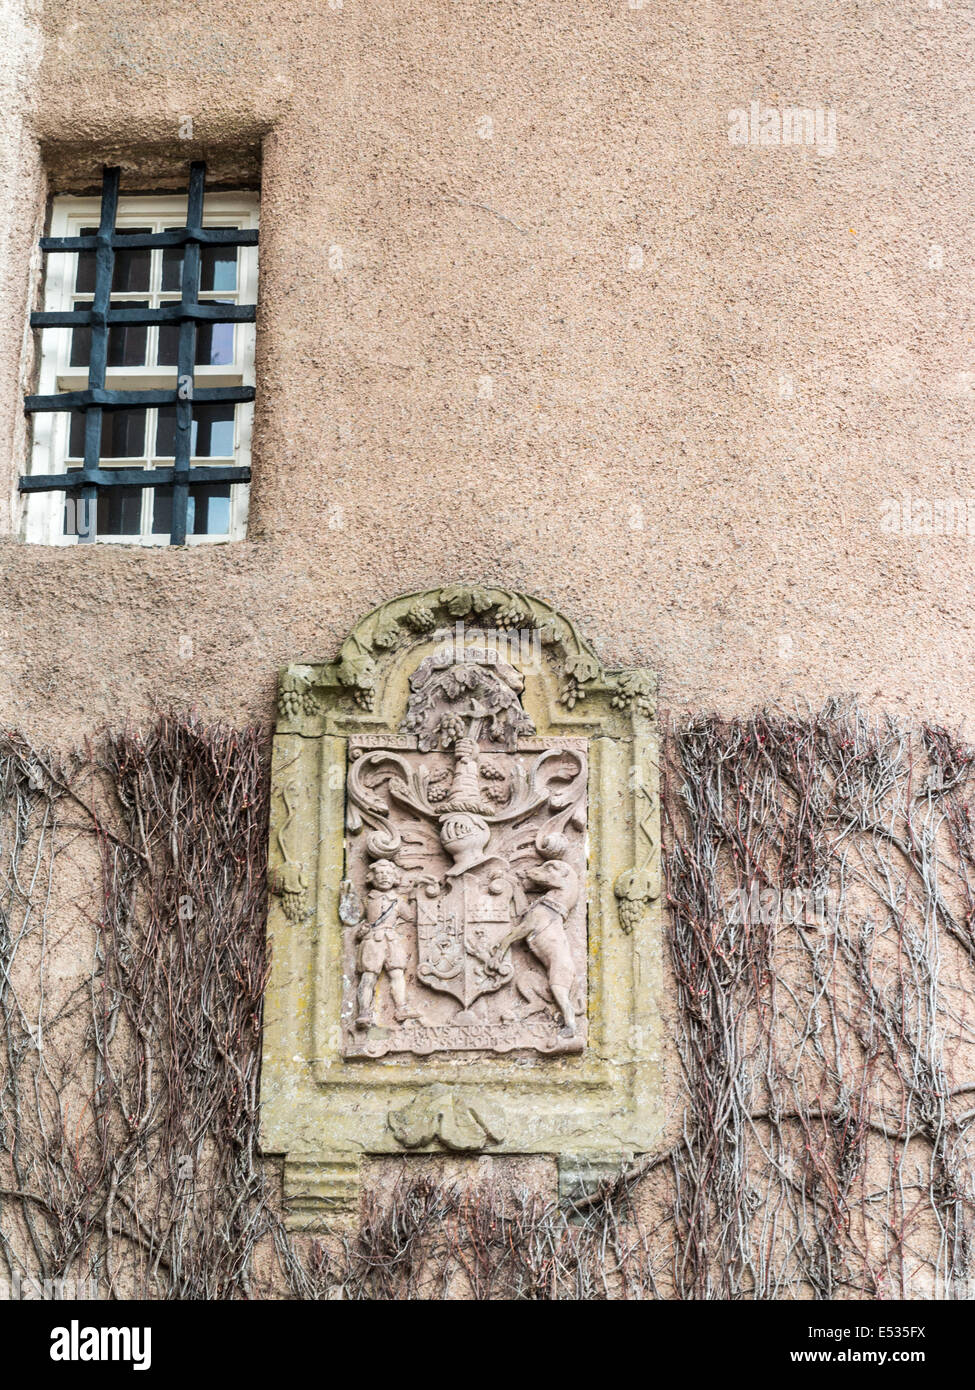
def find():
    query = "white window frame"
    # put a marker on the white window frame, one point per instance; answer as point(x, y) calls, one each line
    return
point(43, 512)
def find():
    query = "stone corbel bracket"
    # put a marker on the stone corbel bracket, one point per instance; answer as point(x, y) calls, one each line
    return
point(324, 1111)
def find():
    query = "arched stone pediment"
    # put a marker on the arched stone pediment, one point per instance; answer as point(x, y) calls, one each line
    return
point(564, 674)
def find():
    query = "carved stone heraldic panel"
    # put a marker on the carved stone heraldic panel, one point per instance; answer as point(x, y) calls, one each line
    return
point(465, 899)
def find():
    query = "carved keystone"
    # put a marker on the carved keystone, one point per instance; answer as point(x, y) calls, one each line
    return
point(460, 1122)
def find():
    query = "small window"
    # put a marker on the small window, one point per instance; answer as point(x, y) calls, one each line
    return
point(142, 419)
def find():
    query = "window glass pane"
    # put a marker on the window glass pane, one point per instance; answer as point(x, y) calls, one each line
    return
point(131, 267)
point(119, 511)
point(76, 437)
point(168, 348)
point(79, 512)
point(208, 510)
point(162, 510)
point(172, 267)
point(85, 278)
point(218, 266)
point(126, 343)
point(130, 271)
point(212, 432)
point(123, 434)
point(214, 343)
point(80, 344)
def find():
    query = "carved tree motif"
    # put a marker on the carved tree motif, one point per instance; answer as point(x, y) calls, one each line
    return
point(476, 700)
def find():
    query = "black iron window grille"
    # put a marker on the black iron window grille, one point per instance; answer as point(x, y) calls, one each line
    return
point(183, 319)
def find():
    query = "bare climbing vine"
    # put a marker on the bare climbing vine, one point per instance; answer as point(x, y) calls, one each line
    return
point(826, 1036)
point(129, 1088)
point(821, 905)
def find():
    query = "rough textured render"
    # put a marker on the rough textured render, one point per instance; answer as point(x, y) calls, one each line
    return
point(465, 927)
point(588, 348)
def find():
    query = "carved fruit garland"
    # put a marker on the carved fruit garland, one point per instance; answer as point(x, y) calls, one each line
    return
point(403, 620)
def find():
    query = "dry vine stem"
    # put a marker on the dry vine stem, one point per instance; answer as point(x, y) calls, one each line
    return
point(129, 1095)
point(821, 886)
point(826, 1037)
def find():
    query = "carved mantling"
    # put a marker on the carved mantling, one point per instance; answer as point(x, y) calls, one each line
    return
point(460, 712)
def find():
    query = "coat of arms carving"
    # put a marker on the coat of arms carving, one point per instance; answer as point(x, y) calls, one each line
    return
point(463, 905)
point(464, 912)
